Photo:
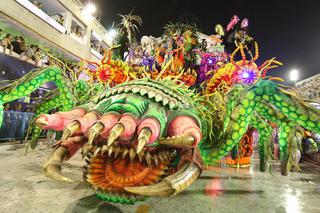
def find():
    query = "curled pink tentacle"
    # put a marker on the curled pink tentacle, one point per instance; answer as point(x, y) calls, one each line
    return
point(59, 120)
point(153, 125)
point(87, 121)
point(130, 124)
point(108, 120)
point(185, 124)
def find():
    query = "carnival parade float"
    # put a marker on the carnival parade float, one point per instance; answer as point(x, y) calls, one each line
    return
point(155, 113)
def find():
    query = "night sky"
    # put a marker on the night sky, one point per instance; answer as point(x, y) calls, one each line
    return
point(289, 30)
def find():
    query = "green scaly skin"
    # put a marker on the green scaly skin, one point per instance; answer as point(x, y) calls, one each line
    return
point(82, 92)
point(65, 98)
point(264, 98)
point(265, 133)
point(143, 99)
point(33, 81)
point(249, 101)
point(43, 108)
point(285, 127)
point(118, 199)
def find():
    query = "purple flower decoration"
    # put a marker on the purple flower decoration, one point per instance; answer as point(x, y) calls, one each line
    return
point(209, 62)
point(148, 61)
point(248, 76)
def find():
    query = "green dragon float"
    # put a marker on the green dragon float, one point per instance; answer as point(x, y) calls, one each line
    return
point(144, 137)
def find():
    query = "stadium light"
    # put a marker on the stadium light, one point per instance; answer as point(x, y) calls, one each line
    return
point(90, 8)
point(294, 75)
point(111, 34)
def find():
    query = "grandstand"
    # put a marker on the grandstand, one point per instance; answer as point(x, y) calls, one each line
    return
point(309, 88)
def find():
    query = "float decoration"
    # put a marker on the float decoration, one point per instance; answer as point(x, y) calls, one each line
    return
point(152, 131)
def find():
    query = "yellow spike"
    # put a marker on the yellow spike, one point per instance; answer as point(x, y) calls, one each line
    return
point(115, 132)
point(70, 129)
point(94, 131)
point(143, 138)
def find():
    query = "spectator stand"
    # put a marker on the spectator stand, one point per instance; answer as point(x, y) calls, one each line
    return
point(43, 9)
point(96, 45)
point(78, 31)
point(309, 88)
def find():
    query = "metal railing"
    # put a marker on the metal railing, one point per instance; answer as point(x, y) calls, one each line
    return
point(15, 125)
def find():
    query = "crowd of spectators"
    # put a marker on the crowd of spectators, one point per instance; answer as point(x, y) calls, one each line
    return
point(17, 44)
point(309, 89)
point(95, 45)
point(57, 17)
point(77, 30)
point(37, 4)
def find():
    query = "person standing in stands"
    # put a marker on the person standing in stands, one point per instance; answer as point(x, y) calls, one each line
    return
point(60, 20)
point(77, 31)
point(23, 45)
point(37, 56)
point(16, 45)
point(36, 3)
point(6, 44)
point(30, 52)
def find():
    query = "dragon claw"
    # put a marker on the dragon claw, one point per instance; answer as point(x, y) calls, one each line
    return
point(52, 168)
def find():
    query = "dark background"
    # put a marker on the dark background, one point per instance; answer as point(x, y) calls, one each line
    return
point(289, 30)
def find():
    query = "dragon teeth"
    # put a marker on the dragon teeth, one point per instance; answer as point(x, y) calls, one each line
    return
point(110, 150)
point(148, 158)
point(104, 149)
point(155, 160)
point(117, 150)
point(152, 159)
point(161, 157)
point(132, 153)
point(165, 155)
point(124, 153)
point(140, 155)
point(96, 152)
